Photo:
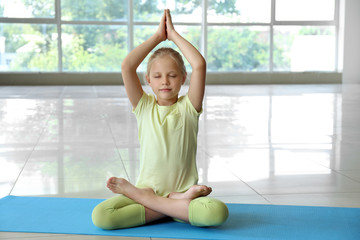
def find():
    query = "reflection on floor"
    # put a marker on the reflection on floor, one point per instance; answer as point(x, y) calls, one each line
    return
point(273, 144)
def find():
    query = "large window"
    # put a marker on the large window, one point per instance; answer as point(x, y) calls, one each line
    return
point(234, 36)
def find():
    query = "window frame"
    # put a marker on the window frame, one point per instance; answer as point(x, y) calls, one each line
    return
point(204, 24)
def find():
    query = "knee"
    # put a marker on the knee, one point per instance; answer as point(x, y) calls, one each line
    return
point(109, 215)
point(206, 211)
point(107, 218)
point(102, 218)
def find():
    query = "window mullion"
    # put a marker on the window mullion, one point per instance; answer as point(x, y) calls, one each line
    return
point(59, 32)
point(95, 22)
point(271, 57)
point(305, 23)
point(204, 28)
point(130, 25)
point(337, 32)
point(28, 20)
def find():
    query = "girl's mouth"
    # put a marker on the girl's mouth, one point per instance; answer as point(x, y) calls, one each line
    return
point(165, 90)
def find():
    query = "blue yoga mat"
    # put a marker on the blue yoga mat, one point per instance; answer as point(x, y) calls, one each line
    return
point(246, 221)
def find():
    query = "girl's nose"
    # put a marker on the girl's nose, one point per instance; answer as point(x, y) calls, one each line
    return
point(165, 81)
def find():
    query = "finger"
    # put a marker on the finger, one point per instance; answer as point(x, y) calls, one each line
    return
point(163, 17)
point(168, 16)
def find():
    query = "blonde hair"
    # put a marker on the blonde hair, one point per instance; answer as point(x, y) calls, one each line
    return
point(165, 51)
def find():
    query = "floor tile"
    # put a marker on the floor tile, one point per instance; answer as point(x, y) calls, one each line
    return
point(257, 144)
point(306, 182)
point(353, 174)
point(244, 199)
point(323, 199)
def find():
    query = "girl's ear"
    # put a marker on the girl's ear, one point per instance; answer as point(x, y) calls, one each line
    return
point(184, 79)
point(147, 78)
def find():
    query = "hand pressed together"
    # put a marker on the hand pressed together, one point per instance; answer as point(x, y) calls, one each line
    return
point(166, 28)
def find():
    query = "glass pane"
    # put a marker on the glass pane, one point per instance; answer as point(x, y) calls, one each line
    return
point(94, 10)
point(190, 33)
point(93, 48)
point(238, 49)
point(27, 8)
point(28, 47)
point(181, 10)
point(247, 11)
point(304, 48)
point(291, 123)
point(305, 10)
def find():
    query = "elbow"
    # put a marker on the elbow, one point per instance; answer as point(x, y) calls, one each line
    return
point(125, 67)
point(200, 65)
point(128, 66)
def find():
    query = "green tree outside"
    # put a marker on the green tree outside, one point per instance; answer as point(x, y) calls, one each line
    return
point(101, 48)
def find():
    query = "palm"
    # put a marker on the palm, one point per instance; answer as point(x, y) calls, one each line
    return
point(162, 29)
point(169, 25)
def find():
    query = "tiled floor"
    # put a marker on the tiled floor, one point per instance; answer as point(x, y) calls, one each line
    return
point(274, 144)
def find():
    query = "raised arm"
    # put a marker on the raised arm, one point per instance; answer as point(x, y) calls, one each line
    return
point(196, 60)
point(133, 60)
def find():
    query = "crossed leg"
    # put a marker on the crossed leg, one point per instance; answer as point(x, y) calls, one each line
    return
point(176, 205)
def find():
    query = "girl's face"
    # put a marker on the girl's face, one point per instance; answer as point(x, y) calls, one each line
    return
point(165, 80)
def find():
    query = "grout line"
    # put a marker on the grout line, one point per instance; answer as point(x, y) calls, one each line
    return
point(114, 141)
point(310, 193)
point(253, 189)
point(340, 172)
point(33, 149)
point(243, 182)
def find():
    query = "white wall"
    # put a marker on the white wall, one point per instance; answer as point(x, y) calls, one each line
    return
point(351, 67)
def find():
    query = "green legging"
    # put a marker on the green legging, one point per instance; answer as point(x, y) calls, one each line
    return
point(122, 212)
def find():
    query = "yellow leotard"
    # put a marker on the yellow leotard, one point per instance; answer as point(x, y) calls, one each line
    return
point(168, 142)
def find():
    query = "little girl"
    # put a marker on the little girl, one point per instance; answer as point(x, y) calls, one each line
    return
point(168, 126)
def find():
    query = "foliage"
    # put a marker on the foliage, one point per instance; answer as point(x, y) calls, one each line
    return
point(41, 8)
point(35, 49)
point(223, 6)
point(103, 10)
point(315, 31)
point(102, 47)
point(237, 50)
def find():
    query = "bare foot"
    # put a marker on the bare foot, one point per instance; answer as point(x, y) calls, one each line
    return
point(122, 186)
point(117, 185)
point(193, 192)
